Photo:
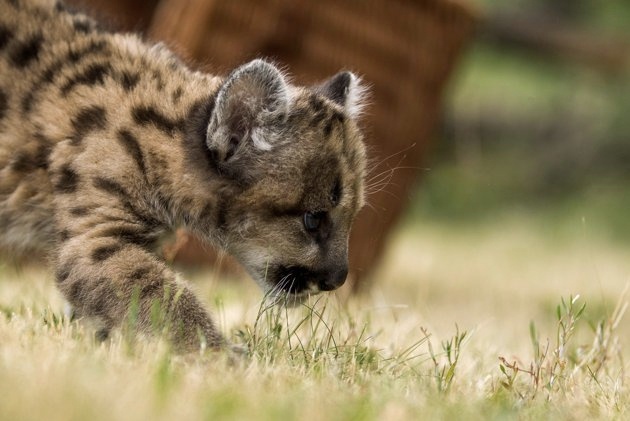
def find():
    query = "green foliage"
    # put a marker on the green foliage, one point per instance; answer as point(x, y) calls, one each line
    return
point(364, 359)
point(555, 369)
point(444, 372)
point(609, 15)
point(525, 131)
point(315, 341)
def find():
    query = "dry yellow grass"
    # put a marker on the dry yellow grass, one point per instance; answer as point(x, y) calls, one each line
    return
point(368, 358)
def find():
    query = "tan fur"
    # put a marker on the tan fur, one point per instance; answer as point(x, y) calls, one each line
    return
point(106, 143)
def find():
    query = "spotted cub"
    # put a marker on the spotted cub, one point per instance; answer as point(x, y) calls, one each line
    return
point(107, 143)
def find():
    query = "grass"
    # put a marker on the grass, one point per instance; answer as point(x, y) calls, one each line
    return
point(462, 324)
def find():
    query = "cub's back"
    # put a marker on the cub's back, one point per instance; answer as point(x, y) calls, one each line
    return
point(28, 36)
point(62, 77)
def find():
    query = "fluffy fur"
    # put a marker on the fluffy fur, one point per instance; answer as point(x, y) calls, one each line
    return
point(107, 143)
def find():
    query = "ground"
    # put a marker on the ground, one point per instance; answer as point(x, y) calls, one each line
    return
point(425, 343)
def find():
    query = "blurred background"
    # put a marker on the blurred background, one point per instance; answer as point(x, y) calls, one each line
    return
point(536, 117)
point(480, 111)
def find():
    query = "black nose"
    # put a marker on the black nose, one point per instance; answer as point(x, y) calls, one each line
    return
point(334, 280)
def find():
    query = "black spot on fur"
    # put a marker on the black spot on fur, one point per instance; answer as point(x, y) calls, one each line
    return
point(296, 115)
point(335, 194)
point(148, 115)
point(83, 26)
point(100, 293)
point(92, 48)
point(47, 77)
point(177, 94)
point(101, 335)
point(316, 104)
point(131, 235)
point(206, 213)
point(74, 293)
point(222, 210)
point(93, 74)
point(328, 127)
point(318, 118)
point(68, 180)
point(5, 36)
point(131, 145)
point(25, 162)
point(63, 235)
point(111, 187)
point(103, 253)
point(26, 52)
point(139, 273)
point(79, 210)
point(50, 73)
point(142, 217)
point(68, 8)
point(318, 109)
point(63, 272)
point(27, 102)
point(87, 120)
point(129, 80)
point(151, 288)
point(4, 104)
point(159, 80)
point(164, 203)
point(41, 157)
point(293, 211)
point(43, 139)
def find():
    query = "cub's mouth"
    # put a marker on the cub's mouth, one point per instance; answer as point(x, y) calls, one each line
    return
point(292, 285)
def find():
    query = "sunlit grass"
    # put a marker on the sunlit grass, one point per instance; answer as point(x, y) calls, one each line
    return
point(481, 325)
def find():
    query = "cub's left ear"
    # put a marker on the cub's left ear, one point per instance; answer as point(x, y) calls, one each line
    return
point(345, 89)
point(254, 96)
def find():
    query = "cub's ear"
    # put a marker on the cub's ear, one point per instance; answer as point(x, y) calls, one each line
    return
point(345, 89)
point(254, 95)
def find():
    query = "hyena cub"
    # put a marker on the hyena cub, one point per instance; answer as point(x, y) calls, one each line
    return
point(106, 143)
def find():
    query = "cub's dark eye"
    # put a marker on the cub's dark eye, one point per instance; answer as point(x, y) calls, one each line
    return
point(313, 220)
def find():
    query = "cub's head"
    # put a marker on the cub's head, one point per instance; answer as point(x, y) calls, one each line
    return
point(293, 162)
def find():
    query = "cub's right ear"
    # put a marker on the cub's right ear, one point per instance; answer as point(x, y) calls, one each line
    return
point(254, 95)
point(345, 89)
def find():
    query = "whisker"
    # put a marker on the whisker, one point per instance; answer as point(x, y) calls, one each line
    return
point(382, 189)
point(288, 291)
point(383, 160)
point(390, 171)
point(274, 293)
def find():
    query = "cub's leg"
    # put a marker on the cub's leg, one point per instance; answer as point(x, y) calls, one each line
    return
point(105, 267)
point(110, 279)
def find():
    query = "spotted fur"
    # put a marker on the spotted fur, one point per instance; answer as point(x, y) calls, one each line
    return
point(107, 143)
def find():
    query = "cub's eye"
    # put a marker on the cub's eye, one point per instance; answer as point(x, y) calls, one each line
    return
point(313, 220)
